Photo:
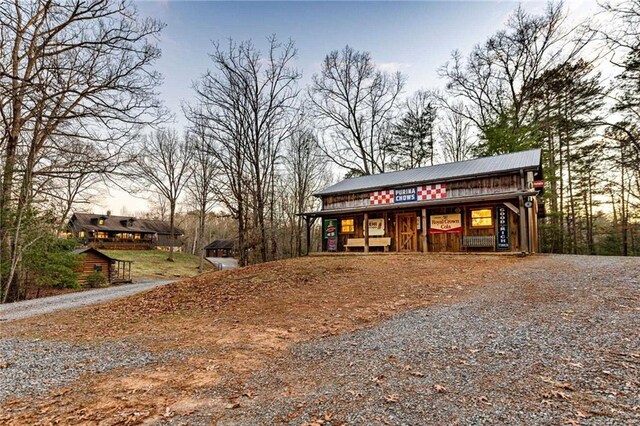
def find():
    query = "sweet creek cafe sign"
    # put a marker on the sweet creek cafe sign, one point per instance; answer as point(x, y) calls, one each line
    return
point(445, 223)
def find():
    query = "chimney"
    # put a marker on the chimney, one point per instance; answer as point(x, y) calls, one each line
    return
point(108, 213)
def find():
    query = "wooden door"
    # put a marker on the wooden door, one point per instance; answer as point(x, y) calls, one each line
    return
point(406, 235)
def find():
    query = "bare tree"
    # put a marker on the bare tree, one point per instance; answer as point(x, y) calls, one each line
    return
point(202, 185)
point(163, 164)
point(78, 69)
point(497, 81)
point(353, 102)
point(455, 132)
point(158, 206)
point(306, 173)
point(248, 105)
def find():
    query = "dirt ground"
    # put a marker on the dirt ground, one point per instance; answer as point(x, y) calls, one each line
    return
point(233, 323)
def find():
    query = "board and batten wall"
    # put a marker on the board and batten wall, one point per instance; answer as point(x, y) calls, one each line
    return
point(456, 189)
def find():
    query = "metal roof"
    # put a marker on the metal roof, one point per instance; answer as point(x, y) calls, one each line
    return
point(470, 168)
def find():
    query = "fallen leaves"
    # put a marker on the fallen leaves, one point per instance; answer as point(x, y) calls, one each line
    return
point(566, 386)
point(5, 364)
point(484, 400)
point(555, 394)
point(393, 398)
point(439, 388)
point(232, 405)
point(319, 421)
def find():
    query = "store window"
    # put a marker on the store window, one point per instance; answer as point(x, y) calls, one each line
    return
point(481, 218)
point(347, 226)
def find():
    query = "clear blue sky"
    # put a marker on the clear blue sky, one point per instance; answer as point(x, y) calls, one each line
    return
point(413, 37)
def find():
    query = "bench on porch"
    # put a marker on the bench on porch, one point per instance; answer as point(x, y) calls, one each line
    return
point(472, 241)
point(384, 242)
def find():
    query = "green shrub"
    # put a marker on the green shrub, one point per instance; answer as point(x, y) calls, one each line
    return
point(97, 279)
point(49, 262)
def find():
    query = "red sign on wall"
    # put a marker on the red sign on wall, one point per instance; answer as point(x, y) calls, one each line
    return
point(445, 223)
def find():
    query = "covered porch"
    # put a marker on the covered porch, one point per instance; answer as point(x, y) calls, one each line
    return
point(496, 223)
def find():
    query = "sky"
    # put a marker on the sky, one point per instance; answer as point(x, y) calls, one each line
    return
point(415, 38)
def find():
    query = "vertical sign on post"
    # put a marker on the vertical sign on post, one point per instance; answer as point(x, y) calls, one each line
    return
point(331, 234)
point(502, 222)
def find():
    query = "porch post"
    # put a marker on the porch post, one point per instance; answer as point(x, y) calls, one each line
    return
point(524, 245)
point(307, 222)
point(425, 249)
point(366, 232)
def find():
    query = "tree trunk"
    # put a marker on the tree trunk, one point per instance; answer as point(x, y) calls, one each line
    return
point(172, 218)
point(201, 225)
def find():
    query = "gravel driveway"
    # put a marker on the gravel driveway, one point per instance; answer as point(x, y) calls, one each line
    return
point(555, 343)
point(29, 308)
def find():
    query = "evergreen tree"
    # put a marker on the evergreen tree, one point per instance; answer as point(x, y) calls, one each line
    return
point(411, 144)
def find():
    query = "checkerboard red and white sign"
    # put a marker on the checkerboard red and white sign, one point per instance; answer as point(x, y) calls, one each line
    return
point(381, 197)
point(432, 192)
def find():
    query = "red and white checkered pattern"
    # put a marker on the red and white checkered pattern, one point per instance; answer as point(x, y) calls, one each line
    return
point(432, 192)
point(381, 197)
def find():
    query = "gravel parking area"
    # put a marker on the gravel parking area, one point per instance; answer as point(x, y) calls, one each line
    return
point(31, 367)
point(30, 308)
point(555, 343)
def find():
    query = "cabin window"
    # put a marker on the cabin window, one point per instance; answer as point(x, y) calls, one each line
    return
point(102, 235)
point(100, 221)
point(347, 226)
point(136, 236)
point(481, 218)
point(81, 234)
point(97, 268)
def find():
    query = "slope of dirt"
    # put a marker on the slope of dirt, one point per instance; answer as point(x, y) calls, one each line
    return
point(234, 322)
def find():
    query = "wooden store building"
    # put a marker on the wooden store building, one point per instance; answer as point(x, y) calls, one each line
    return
point(486, 204)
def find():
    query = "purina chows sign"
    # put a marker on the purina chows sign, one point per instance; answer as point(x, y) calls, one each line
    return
point(407, 195)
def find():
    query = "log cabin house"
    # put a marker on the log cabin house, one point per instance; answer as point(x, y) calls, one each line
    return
point(122, 232)
point(487, 204)
point(91, 260)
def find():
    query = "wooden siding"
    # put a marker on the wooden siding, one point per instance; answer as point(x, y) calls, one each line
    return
point(456, 189)
point(89, 261)
point(435, 242)
point(345, 201)
point(484, 186)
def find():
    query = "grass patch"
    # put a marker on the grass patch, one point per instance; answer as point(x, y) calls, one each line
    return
point(154, 263)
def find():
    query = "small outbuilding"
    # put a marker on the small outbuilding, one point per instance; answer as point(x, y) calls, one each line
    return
point(115, 270)
point(220, 248)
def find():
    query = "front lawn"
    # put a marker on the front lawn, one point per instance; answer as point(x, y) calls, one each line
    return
point(154, 263)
